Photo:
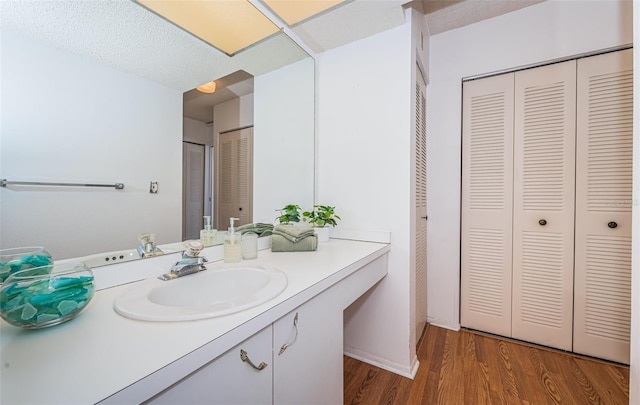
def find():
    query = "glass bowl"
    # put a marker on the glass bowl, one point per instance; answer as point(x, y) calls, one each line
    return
point(16, 259)
point(45, 296)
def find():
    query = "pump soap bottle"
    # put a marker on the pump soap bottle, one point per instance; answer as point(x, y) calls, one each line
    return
point(232, 251)
point(208, 236)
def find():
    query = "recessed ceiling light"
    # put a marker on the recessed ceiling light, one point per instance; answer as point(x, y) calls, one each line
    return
point(229, 25)
point(207, 87)
point(294, 11)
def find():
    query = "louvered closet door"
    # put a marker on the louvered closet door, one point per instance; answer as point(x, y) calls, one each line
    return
point(487, 204)
point(603, 206)
point(543, 218)
point(421, 204)
point(235, 177)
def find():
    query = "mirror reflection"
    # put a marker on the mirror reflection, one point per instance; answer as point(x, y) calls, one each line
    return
point(101, 100)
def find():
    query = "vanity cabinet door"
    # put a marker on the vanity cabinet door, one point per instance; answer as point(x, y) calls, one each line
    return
point(307, 354)
point(228, 379)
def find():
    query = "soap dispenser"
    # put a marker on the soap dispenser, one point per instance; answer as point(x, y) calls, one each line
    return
point(232, 246)
point(208, 236)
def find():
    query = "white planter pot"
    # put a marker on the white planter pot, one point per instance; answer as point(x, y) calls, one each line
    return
point(323, 234)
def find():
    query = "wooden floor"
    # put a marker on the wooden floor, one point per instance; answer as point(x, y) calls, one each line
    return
point(466, 368)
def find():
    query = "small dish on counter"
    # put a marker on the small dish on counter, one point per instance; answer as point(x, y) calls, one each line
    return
point(44, 296)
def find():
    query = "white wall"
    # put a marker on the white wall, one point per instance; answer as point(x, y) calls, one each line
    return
point(233, 114)
point(634, 378)
point(544, 32)
point(196, 131)
point(67, 119)
point(364, 169)
point(283, 138)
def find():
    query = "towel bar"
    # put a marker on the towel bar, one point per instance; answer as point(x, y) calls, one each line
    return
point(5, 182)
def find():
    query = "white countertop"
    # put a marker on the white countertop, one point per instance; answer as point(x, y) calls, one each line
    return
point(101, 353)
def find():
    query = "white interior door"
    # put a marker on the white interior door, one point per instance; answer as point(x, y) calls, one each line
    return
point(603, 206)
point(193, 160)
point(234, 185)
point(543, 217)
point(487, 192)
point(421, 204)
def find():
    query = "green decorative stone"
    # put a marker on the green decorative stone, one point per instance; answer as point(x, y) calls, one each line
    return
point(42, 318)
point(28, 312)
point(66, 306)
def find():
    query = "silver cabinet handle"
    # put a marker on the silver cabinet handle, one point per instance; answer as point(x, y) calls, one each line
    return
point(245, 358)
point(286, 345)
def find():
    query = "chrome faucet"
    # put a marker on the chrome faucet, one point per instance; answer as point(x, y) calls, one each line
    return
point(147, 247)
point(190, 263)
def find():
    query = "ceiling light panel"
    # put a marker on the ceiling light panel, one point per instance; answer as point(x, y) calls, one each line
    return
point(294, 11)
point(229, 25)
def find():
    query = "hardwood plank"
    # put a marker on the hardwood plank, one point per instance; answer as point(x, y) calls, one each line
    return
point(468, 368)
point(550, 385)
point(584, 383)
point(529, 387)
point(476, 373)
point(503, 388)
point(609, 389)
point(451, 388)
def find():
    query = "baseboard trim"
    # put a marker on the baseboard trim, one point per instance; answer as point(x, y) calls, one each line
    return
point(409, 372)
point(444, 324)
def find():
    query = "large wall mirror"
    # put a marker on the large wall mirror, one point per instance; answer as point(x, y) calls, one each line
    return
point(92, 92)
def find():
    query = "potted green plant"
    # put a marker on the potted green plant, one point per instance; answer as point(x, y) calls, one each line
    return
point(290, 213)
point(321, 216)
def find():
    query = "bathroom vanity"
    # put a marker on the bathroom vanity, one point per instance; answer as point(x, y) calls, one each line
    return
point(104, 357)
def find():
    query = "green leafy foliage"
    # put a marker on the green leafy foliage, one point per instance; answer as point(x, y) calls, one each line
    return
point(322, 215)
point(290, 213)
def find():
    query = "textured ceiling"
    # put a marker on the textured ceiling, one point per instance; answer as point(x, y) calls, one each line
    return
point(445, 15)
point(124, 35)
point(361, 18)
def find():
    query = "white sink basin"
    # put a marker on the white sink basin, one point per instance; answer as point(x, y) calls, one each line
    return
point(208, 294)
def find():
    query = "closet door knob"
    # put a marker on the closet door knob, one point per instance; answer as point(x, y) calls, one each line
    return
point(542, 222)
point(612, 225)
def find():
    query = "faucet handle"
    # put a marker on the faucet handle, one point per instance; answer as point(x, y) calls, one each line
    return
point(147, 238)
point(193, 248)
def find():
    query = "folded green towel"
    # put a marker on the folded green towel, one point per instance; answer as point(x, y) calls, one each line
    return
point(260, 228)
point(281, 244)
point(293, 233)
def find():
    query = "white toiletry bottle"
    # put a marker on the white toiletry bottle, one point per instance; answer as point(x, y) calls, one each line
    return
point(208, 236)
point(232, 251)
